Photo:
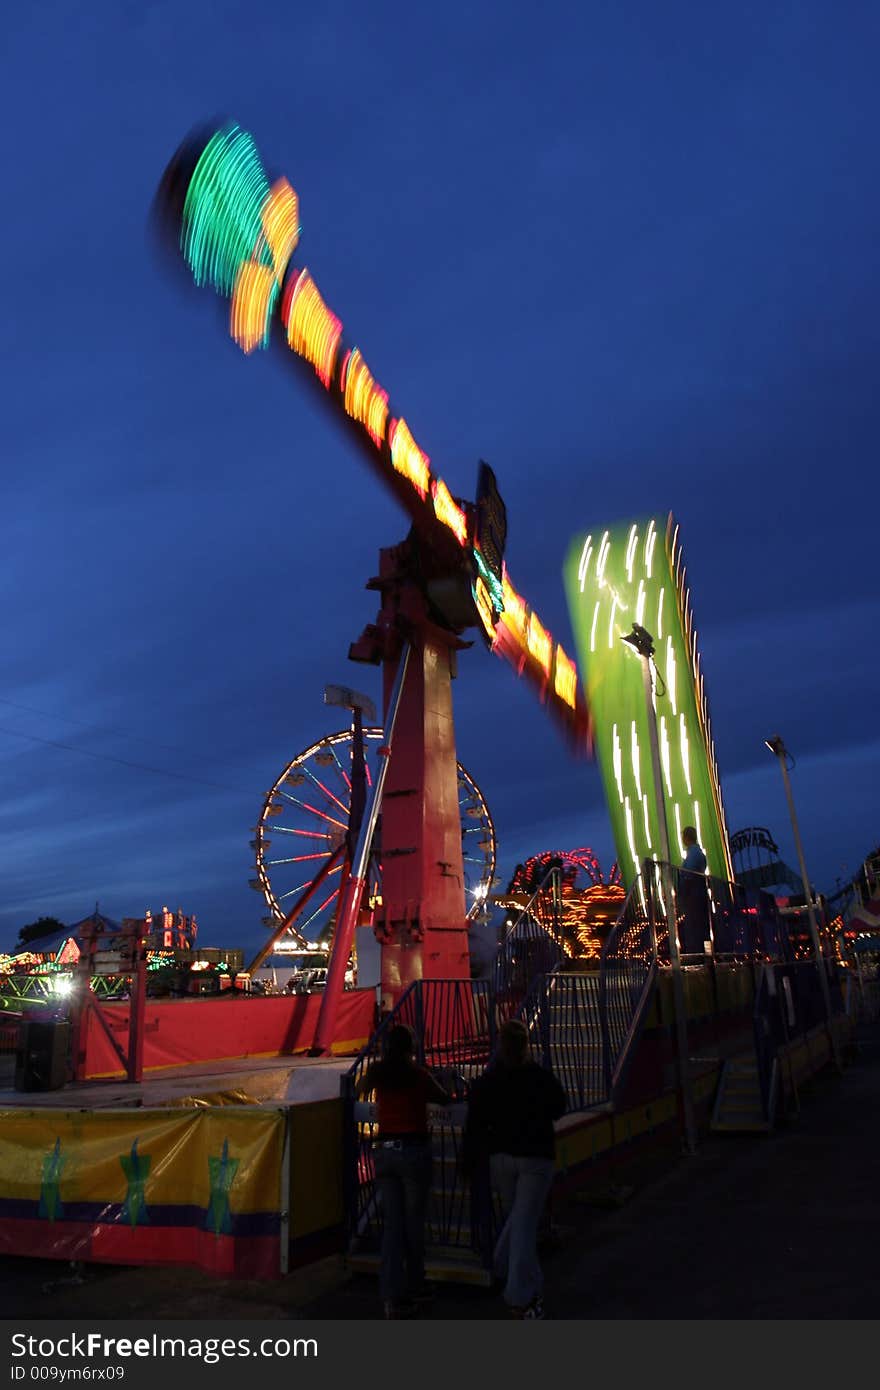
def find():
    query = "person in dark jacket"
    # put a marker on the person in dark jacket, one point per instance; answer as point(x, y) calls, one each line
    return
point(402, 1165)
point(511, 1112)
point(693, 898)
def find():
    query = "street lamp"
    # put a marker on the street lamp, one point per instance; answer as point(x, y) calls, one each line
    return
point(778, 748)
point(643, 643)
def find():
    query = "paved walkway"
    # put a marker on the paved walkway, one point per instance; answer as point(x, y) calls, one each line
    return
point(778, 1226)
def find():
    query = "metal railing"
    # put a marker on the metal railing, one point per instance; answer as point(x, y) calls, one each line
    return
point(585, 1026)
point(41, 987)
point(531, 947)
point(739, 923)
point(562, 1013)
point(789, 1003)
point(627, 970)
point(454, 1026)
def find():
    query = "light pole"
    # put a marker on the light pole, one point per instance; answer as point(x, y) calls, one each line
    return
point(777, 746)
point(643, 643)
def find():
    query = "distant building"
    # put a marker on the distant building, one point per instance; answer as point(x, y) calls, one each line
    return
point(170, 931)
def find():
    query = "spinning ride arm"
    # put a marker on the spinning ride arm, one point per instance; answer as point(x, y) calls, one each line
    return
point(238, 234)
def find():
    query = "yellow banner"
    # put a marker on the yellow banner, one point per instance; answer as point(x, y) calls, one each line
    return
point(230, 1159)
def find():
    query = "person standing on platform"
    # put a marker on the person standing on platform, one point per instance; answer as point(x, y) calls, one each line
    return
point(402, 1165)
point(693, 900)
point(510, 1118)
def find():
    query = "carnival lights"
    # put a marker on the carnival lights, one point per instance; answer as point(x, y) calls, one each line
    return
point(280, 222)
point(515, 616)
point(313, 331)
point(565, 678)
point(238, 235)
point(539, 643)
point(589, 903)
point(320, 817)
point(408, 459)
point(447, 512)
point(629, 574)
point(251, 306)
point(363, 399)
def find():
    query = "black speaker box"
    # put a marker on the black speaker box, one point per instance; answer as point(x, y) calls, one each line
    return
point(41, 1055)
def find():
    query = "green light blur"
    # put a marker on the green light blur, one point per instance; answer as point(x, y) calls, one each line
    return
point(614, 578)
point(221, 223)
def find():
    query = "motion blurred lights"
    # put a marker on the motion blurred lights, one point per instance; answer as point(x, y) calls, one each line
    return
point(617, 761)
point(485, 611)
point(565, 678)
point(281, 229)
point(632, 572)
point(408, 459)
point(250, 311)
point(650, 542)
point(540, 644)
point(536, 649)
point(447, 512)
point(364, 401)
point(516, 613)
point(584, 562)
point(635, 755)
point(257, 285)
point(222, 214)
point(313, 331)
point(238, 235)
point(664, 755)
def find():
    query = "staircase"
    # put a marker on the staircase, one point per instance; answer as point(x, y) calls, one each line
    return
point(739, 1104)
point(562, 1016)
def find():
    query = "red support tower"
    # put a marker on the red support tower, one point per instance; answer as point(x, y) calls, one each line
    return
point(421, 923)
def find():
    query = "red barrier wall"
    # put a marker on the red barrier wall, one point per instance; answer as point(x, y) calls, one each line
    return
point(181, 1031)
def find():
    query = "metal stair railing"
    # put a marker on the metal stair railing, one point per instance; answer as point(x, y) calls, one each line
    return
point(627, 972)
point(454, 1029)
point(584, 1025)
point(561, 1012)
point(531, 947)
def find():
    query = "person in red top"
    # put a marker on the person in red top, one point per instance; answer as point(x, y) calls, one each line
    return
point(402, 1164)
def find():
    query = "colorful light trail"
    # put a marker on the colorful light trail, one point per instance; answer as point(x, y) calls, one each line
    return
point(611, 578)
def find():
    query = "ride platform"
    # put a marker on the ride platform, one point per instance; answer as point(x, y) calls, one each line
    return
point(237, 1081)
point(231, 1164)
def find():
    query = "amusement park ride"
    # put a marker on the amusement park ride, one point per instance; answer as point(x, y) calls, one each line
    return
point(319, 774)
point(589, 903)
point(238, 235)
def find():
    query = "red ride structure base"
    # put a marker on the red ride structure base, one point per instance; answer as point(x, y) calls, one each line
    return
point(422, 920)
point(422, 923)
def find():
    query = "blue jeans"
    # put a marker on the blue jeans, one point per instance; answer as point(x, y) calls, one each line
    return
point(403, 1180)
point(523, 1185)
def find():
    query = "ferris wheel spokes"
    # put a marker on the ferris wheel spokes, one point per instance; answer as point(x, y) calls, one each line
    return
point(326, 790)
point(287, 923)
point(325, 830)
point(314, 810)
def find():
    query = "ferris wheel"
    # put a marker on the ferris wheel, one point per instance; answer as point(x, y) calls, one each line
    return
point(303, 825)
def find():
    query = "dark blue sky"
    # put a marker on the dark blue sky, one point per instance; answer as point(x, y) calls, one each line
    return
point(627, 254)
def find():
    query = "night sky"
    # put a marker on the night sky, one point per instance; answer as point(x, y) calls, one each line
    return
point(627, 254)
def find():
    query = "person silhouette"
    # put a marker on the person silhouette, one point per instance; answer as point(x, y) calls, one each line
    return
point(693, 900)
point(510, 1117)
point(402, 1165)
